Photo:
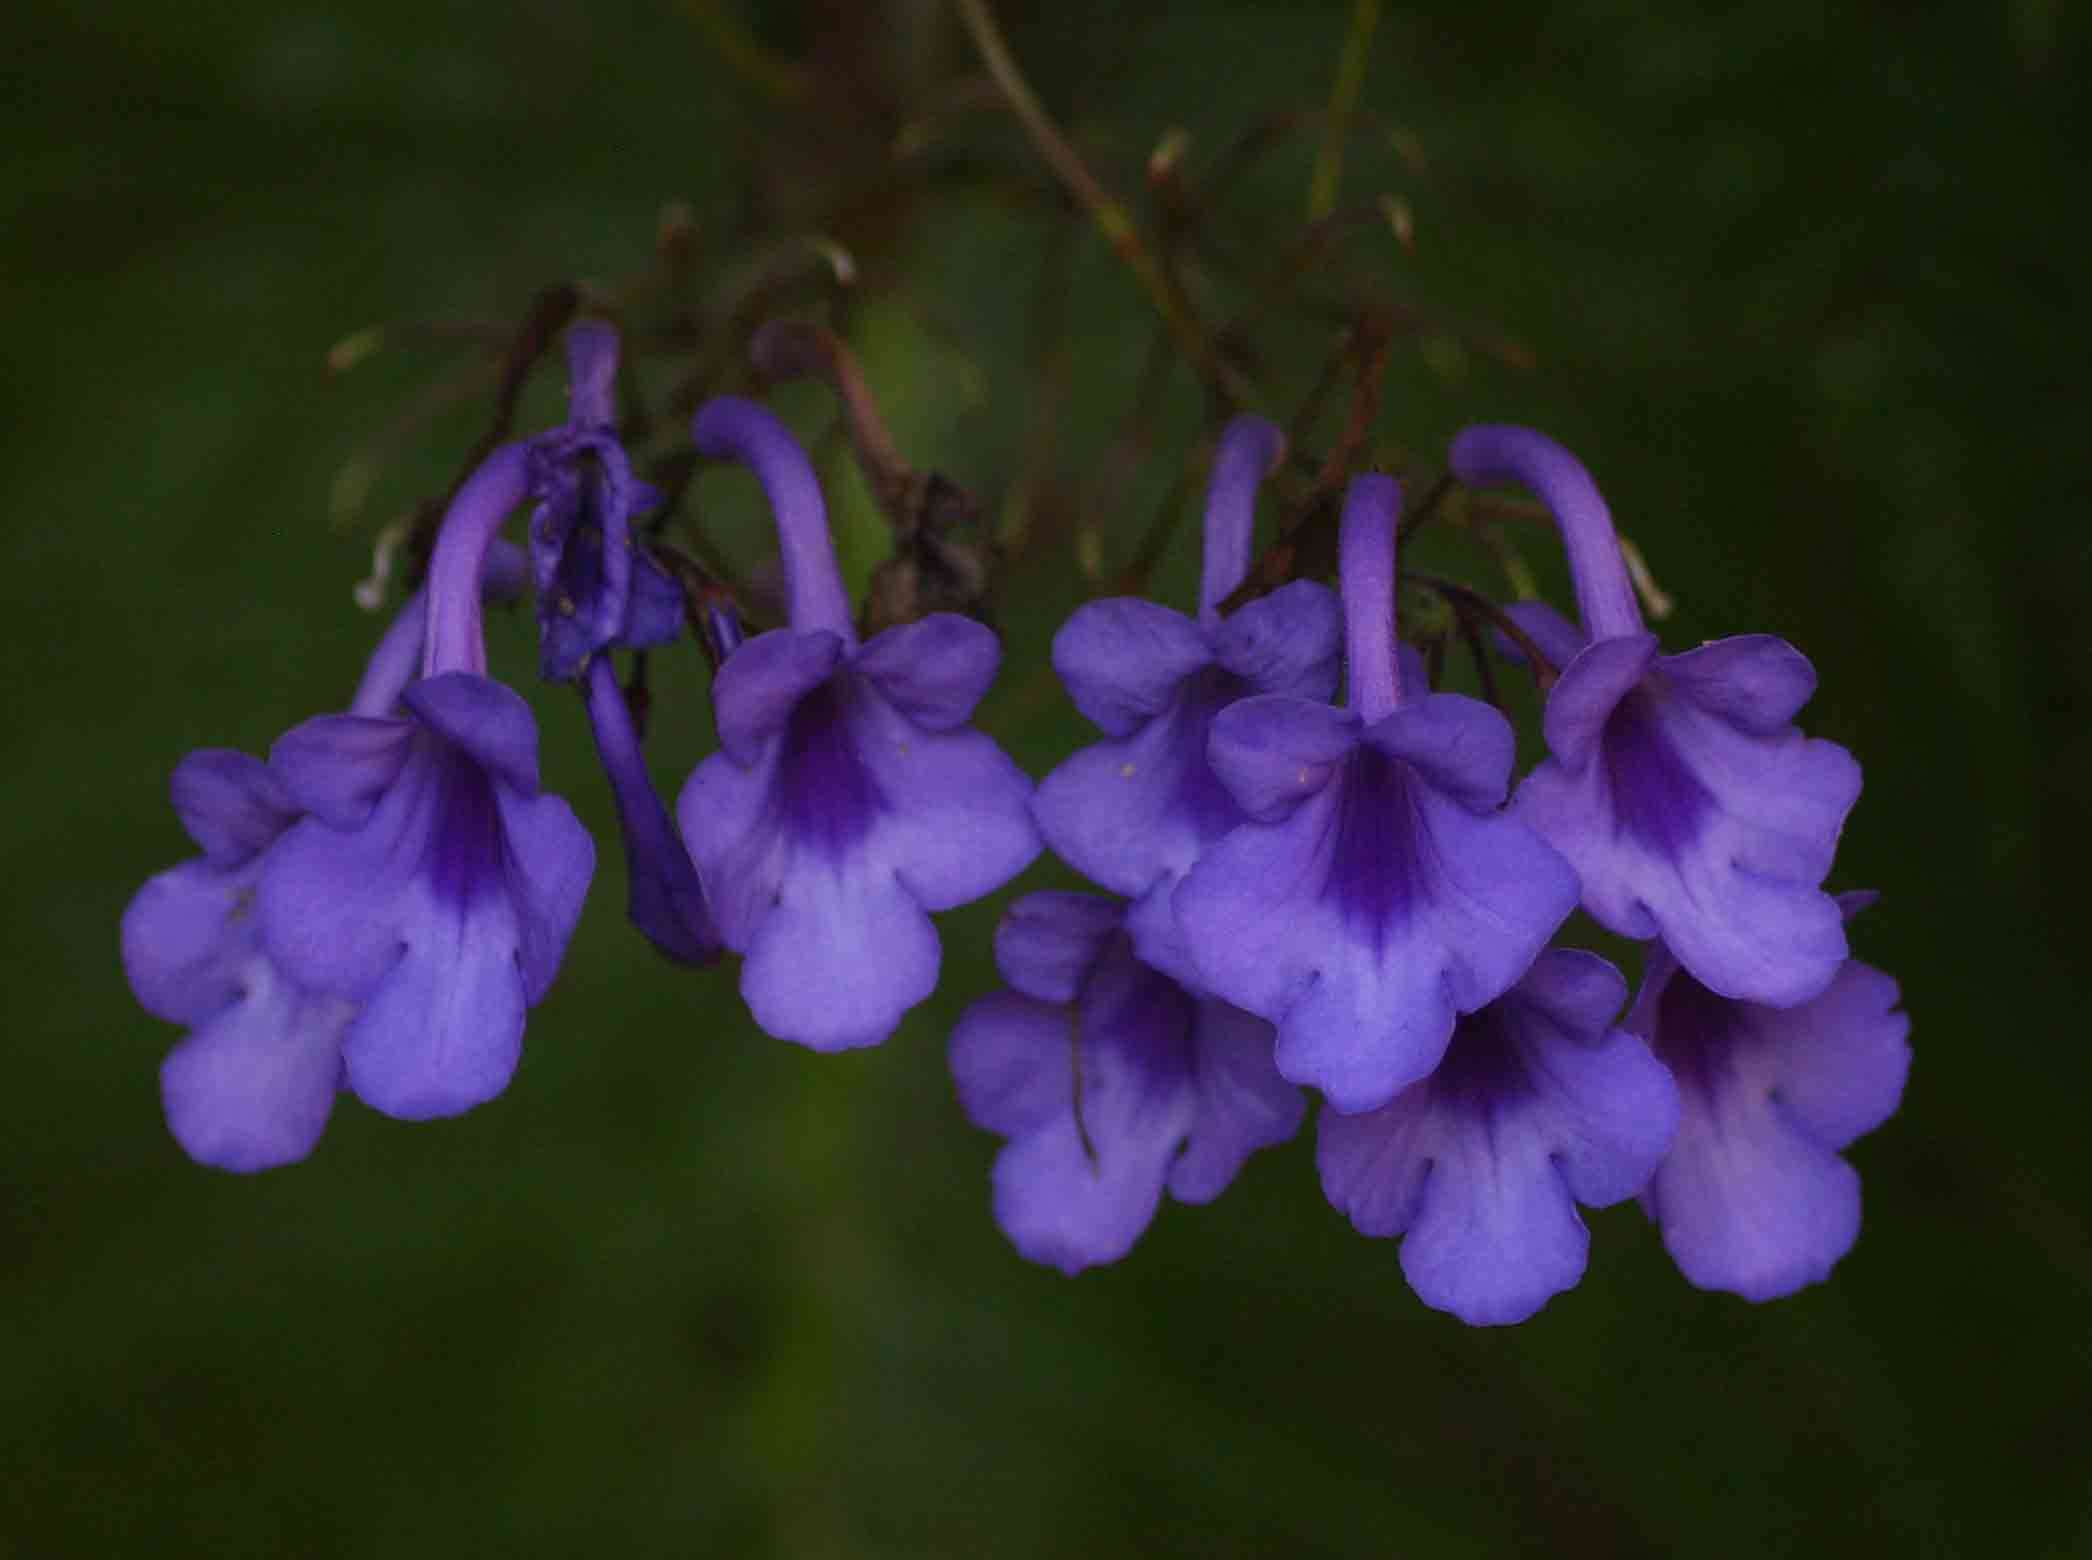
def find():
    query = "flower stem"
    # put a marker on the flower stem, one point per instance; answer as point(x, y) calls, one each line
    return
point(1343, 96)
point(1109, 214)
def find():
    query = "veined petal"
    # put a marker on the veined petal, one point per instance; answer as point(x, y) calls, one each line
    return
point(251, 1088)
point(933, 671)
point(1121, 659)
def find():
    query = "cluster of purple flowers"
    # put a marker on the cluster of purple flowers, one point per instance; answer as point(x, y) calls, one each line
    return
point(1307, 895)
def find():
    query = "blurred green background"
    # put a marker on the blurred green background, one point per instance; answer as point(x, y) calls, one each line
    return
point(1804, 285)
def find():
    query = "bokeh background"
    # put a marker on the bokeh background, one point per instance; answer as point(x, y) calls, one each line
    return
point(1806, 287)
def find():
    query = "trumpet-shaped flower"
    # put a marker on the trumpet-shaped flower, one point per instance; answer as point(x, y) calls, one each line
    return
point(1133, 812)
point(1540, 1104)
point(849, 797)
point(429, 882)
point(1753, 1197)
point(1678, 786)
point(1110, 1082)
point(1377, 888)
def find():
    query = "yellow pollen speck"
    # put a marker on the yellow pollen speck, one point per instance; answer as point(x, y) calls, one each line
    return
point(1125, 771)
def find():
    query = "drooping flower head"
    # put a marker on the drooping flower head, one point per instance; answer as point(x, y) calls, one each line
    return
point(596, 587)
point(1133, 812)
point(253, 1083)
point(849, 797)
point(1377, 888)
point(1753, 1197)
point(1678, 786)
point(430, 882)
point(1539, 1104)
point(1110, 1082)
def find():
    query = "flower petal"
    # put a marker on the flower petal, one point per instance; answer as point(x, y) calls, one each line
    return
point(763, 682)
point(1242, 1103)
point(1121, 659)
point(486, 719)
point(1009, 1055)
point(187, 936)
point(1048, 942)
point(1128, 812)
point(1461, 745)
point(1290, 642)
point(735, 840)
point(232, 805)
point(933, 671)
point(1755, 682)
point(443, 1031)
point(1591, 687)
point(548, 857)
point(1273, 753)
point(252, 1087)
point(336, 767)
point(956, 820)
point(841, 955)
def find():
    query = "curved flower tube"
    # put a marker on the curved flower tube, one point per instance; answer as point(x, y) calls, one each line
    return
point(1133, 812)
point(430, 882)
point(1753, 1198)
point(1376, 889)
point(665, 900)
point(1678, 786)
point(849, 797)
point(1110, 1082)
point(1540, 1104)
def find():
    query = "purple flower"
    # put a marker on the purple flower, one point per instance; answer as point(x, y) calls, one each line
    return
point(849, 797)
point(665, 900)
point(1753, 1197)
point(252, 1084)
point(1110, 1081)
point(430, 882)
point(1540, 1104)
point(1132, 813)
point(595, 586)
point(1678, 786)
point(1377, 888)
